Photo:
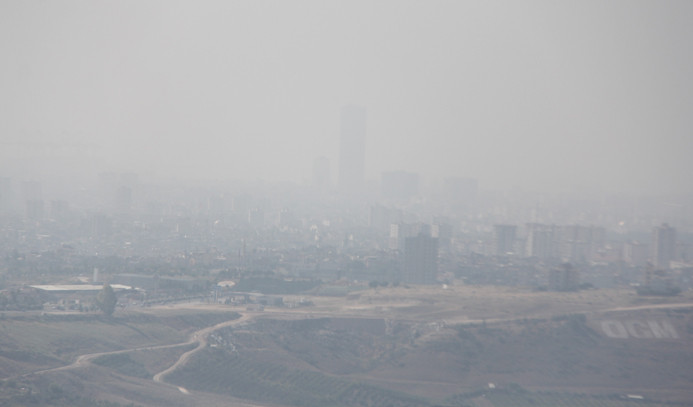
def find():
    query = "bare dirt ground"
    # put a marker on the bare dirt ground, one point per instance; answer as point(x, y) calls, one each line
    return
point(458, 303)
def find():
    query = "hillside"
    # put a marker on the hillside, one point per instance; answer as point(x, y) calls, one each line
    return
point(350, 361)
point(404, 346)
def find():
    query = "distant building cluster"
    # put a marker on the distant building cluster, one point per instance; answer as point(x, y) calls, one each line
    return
point(177, 241)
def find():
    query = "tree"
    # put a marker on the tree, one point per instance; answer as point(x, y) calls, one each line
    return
point(106, 300)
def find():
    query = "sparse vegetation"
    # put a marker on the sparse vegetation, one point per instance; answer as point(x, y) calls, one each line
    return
point(266, 382)
point(44, 394)
point(123, 363)
point(312, 359)
point(513, 395)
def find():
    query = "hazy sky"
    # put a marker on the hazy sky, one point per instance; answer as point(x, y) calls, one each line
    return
point(533, 94)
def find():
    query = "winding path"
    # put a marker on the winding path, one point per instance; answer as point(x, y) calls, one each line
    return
point(83, 360)
point(201, 338)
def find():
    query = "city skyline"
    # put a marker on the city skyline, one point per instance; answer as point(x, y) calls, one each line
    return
point(346, 203)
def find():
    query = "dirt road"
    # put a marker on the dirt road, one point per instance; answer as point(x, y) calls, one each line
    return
point(83, 360)
point(201, 338)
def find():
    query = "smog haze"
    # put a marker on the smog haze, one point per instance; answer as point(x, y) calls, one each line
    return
point(536, 95)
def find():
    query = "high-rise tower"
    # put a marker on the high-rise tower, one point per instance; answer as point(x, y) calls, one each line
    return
point(540, 241)
point(352, 149)
point(663, 246)
point(421, 259)
point(504, 239)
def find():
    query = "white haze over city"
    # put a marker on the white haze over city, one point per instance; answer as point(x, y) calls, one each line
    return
point(537, 94)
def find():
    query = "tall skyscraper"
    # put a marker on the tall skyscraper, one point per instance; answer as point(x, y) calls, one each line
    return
point(352, 149)
point(663, 246)
point(421, 259)
point(540, 241)
point(399, 232)
point(504, 239)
